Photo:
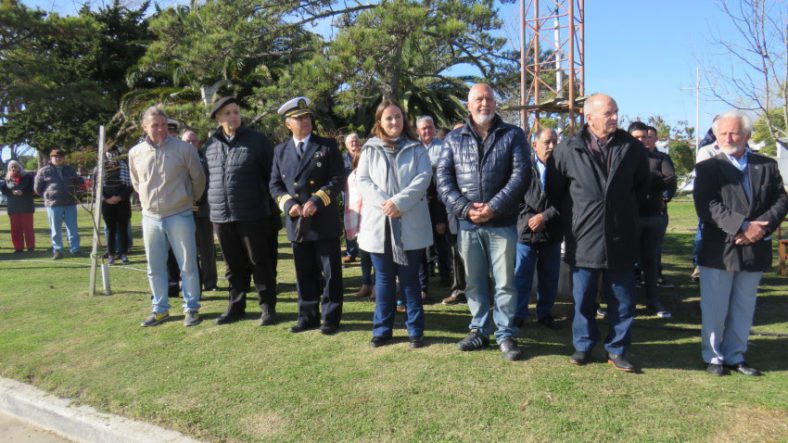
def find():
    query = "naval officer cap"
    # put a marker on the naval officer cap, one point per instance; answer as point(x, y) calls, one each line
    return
point(220, 103)
point(295, 107)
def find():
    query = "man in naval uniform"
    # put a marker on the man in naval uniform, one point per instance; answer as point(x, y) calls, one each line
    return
point(306, 181)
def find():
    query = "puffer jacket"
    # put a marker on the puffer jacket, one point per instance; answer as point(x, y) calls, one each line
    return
point(238, 174)
point(55, 190)
point(413, 175)
point(495, 171)
point(599, 212)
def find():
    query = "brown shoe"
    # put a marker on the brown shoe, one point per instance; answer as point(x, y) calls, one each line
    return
point(401, 309)
point(454, 299)
point(364, 291)
point(348, 259)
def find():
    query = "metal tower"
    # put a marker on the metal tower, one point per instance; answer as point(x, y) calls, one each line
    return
point(552, 57)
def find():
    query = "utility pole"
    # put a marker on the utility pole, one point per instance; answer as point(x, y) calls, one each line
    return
point(697, 89)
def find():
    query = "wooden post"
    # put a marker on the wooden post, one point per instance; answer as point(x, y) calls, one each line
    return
point(98, 185)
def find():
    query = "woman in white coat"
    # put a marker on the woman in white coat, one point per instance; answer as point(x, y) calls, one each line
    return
point(393, 175)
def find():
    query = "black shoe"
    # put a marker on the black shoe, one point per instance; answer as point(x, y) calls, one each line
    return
point(473, 341)
point(268, 316)
point(620, 362)
point(509, 349)
point(716, 370)
point(301, 327)
point(580, 358)
point(329, 329)
point(227, 318)
point(744, 368)
point(549, 322)
point(416, 342)
point(377, 342)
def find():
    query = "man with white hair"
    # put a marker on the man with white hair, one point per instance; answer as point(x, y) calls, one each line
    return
point(598, 178)
point(167, 174)
point(482, 173)
point(740, 200)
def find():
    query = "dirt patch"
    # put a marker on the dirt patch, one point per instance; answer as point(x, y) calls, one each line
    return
point(263, 424)
point(754, 425)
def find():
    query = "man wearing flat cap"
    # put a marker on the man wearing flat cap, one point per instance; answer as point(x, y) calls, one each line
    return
point(239, 169)
point(306, 181)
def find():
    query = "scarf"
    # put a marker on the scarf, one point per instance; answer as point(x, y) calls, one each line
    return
point(390, 148)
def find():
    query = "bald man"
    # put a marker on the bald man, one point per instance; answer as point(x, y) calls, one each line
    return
point(600, 177)
point(482, 172)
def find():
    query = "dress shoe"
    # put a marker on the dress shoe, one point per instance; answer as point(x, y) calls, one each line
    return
point(348, 259)
point(549, 322)
point(416, 342)
point(509, 349)
point(364, 291)
point(377, 342)
point(620, 362)
point(329, 329)
point(715, 369)
point(454, 299)
point(227, 318)
point(268, 316)
point(744, 368)
point(580, 358)
point(301, 327)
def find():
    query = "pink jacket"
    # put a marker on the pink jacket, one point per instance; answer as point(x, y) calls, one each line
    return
point(352, 207)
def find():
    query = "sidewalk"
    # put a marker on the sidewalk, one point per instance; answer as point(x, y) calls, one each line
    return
point(66, 422)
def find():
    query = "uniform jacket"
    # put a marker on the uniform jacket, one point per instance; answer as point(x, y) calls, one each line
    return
point(168, 178)
point(56, 190)
point(317, 177)
point(536, 201)
point(722, 207)
point(495, 171)
point(238, 175)
point(599, 214)
point(413, 174)
point(22, 204)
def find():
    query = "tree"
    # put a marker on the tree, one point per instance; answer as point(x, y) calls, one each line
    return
point(405, 50)
point(756, 42)
point(683, 157)
point(63, 76)
point(761, 132)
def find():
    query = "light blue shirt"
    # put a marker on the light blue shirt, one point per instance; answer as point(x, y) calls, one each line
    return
point(542, 171)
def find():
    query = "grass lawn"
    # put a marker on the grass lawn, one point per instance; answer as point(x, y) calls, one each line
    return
point(242, 383)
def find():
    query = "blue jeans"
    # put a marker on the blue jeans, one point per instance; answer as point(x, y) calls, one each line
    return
point(386, 273)
point(619, 288)
point(727, 304)
point(351, 248)
point(56, 216)
point(159, 234)
point(366, 268)
point(546, 257)
point(490, 251)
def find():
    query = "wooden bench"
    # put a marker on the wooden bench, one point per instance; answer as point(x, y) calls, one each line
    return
point(782, 250)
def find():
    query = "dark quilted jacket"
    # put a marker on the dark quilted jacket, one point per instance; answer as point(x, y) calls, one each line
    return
point(238, 175)
point(497, 174)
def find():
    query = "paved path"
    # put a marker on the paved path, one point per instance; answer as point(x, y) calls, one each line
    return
point(16, 431)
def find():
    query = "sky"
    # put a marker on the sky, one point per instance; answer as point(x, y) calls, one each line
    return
point(642, 53)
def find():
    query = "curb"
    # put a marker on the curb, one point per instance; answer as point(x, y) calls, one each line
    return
point(79, 423)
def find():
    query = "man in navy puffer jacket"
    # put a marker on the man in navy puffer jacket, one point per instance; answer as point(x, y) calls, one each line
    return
point(482, 174)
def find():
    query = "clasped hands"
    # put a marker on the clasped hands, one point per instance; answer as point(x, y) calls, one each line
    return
point(755, 231)
point(480, 213)
point(307, 210)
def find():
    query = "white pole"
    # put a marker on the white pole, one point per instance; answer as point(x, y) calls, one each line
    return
point(697, 109)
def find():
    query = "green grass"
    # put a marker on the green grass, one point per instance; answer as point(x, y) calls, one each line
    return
point(245, 383)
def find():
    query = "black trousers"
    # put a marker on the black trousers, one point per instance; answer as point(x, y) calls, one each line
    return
point(247, 254)
point(443, 255)
point(206, 252)
point(458, 268)
point(319, 281)
point(117, 218)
